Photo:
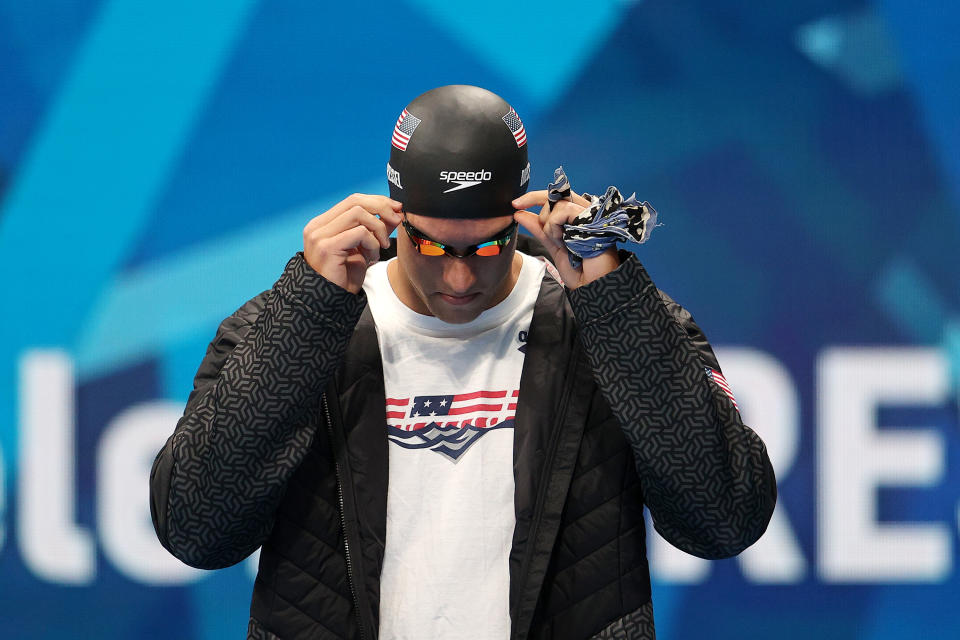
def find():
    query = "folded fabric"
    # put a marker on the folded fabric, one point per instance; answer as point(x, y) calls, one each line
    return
point(609, 219)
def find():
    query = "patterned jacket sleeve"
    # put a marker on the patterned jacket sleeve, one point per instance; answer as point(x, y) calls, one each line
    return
point(250, 419)
point(706, 477)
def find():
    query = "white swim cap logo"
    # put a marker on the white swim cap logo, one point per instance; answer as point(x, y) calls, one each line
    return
point(393, 176)
point(465, 179)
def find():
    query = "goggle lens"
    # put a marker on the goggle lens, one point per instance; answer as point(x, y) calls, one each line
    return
point(492, 249)
point(428, 248)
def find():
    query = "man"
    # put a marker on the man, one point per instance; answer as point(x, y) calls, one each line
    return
point(452, 443)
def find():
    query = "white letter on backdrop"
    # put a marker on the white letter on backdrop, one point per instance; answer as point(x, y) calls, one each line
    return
point(855, 458)
point(52, 545)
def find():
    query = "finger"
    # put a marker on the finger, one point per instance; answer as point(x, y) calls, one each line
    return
point(544, 214)
point(539, 198)
point(558, 252)
point(549, 228)
point(386, 208)
point(541, 219)
point(358, 239)
point(531, 222)
point(532, 199)
point(353, 217)
point(563, 212)
point(375, 204)
point(382, 206)
point(370, 256)
point(576, 198)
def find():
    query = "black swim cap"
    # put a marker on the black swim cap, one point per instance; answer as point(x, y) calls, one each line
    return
point(458, 152)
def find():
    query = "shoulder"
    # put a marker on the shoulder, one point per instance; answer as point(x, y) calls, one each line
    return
point(251, 309)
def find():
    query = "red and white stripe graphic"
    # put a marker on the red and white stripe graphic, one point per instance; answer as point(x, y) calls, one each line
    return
point(513, 121)
point(721, 382)
point(481, 409)
point(406, 124)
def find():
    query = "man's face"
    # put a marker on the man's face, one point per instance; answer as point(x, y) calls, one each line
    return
point(454, 290)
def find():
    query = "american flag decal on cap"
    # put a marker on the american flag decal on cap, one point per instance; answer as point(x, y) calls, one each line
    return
point(406, 124)
point(512, 120)
point(721, 382)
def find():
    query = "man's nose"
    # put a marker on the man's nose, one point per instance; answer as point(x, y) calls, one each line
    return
point(458, 275)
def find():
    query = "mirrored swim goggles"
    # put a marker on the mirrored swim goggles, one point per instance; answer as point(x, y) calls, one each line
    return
point(427, 246)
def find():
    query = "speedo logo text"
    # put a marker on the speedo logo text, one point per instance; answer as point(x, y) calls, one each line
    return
point(465, 179)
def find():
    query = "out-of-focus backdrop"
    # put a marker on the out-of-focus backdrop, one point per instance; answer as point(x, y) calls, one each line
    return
point(158, 161)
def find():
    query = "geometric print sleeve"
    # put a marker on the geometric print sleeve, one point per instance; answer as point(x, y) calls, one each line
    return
point(706, 476)
point(250, 419)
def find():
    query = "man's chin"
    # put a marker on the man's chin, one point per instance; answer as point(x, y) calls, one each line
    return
point(456, 313)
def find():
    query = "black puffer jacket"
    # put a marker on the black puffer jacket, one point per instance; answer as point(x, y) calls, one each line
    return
point(283, 444)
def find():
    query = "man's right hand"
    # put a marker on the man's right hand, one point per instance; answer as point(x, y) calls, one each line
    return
point(341, 243)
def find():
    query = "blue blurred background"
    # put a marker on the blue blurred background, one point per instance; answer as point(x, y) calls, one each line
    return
point(159, 160)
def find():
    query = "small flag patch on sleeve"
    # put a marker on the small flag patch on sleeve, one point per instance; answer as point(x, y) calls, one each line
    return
point(721, 382)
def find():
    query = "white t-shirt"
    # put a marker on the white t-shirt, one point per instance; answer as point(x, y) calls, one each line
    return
point(451, 400)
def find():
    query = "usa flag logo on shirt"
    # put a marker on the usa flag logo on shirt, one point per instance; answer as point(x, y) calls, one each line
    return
point(449, 424)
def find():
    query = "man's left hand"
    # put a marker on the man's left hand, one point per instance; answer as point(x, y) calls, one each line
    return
point(547, 227)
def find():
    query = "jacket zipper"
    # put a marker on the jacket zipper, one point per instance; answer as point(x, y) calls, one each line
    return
point(545, 480)
point(343, 521)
